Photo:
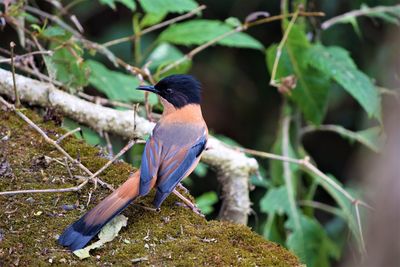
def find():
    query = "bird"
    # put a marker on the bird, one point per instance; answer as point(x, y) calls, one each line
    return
point(171, 153)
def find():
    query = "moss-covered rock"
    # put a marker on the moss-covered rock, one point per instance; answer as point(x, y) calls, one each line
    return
point(31, 223)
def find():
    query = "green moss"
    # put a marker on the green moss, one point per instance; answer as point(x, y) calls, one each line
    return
point(30, 224)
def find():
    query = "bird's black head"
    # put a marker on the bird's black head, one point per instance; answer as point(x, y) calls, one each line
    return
point(179, 90)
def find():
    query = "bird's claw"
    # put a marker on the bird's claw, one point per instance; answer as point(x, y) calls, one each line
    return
point(194, 208)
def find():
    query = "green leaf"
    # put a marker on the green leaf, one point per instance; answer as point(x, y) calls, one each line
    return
point(152, 18)
point(318, 248)
point(311, 91)
point(206, 201)
point(165, 54)
point(201, 169)
point(275, 201)
point(66, 68)
point(369, 137)
point(116, 85)
point(111, 3)
point(232, 21)
point(167, 6)
point(54, 31)
point(197, 32)
point(336, 63)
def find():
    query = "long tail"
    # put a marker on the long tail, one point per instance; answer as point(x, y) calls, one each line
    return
point(78, 234)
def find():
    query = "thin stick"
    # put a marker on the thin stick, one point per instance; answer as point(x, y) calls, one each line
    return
point(17, 102)
point(279, 49)
point(357, 13)
point(67, 134)
point(52, 142)
point(155, 27)
point(241, 28)
point(17, 57)
point(360, 226)
point(306, 164)
point(120, 153)
point(287, 173)
point(67, 167)
point(109, 144)
point(58, 190)
point(321, 206)
point(104, 101)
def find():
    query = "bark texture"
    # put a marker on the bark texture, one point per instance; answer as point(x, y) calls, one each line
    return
point(233, 167)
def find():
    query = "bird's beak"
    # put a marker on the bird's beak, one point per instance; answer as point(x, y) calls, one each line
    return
point(149, 88)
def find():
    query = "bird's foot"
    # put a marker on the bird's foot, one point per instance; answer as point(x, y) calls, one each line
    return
point(193, 207)
point(183, 188)
point(188, 203)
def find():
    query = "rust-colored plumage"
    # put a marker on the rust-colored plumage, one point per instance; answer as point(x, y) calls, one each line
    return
point(170, 155)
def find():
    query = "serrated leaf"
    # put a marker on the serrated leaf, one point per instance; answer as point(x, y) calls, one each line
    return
point(116, 85)
point(197, 32)
point(167, 6)
point(275, 201)
point(336, 63)
point(107, 234)
point(311, 91)
point(206, 201)
point(111, 3)
point(318, 248)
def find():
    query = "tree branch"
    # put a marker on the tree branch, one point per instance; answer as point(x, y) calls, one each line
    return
point(233, 167)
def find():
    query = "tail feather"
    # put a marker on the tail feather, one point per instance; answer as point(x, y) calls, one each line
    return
point(78, 234)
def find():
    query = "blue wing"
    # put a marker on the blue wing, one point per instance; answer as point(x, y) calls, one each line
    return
point(150, 163)
point(178, 162)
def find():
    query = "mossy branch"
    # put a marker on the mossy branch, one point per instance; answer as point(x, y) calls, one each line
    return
point(234, 167)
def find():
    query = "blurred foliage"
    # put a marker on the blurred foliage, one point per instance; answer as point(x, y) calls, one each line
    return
point(312, 74)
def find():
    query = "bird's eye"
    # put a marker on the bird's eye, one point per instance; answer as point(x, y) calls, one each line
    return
point(168, 90)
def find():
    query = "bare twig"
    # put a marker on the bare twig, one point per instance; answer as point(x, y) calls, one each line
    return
point(68, 168)
point(18, 57)
point(287, 173)
point(16, 96)
point(322, 206)
point(360, 226)
point(120, 153)
point(306, 164)
point(109, 144)
point(309, 166)
point(357, 13)
point(272, 81)
point(156, 27)
point(68, 134)
point(54, 190)
point(52, 142)
point(240, 28)
point(104, 101)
